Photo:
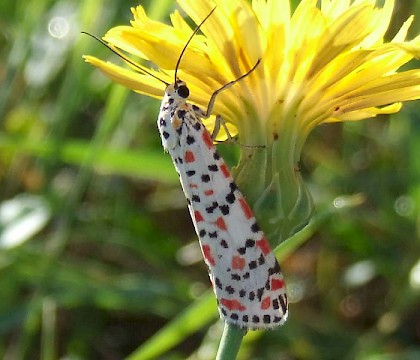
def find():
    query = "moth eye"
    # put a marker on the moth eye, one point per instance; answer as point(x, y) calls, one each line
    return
point(183, 91)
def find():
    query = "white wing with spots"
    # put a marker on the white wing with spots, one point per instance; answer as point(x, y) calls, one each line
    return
point(246, 277)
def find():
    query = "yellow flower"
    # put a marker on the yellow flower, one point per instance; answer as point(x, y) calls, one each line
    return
point(319, 64)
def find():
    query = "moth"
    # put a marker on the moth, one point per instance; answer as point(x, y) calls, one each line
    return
point(243, 270)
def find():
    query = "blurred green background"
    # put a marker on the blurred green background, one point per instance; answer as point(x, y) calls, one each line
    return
point(98, 256)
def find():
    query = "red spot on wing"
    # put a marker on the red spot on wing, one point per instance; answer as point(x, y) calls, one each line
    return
point(207, 255)
point(265, 303)
point(276, 284)
point(238, 263)
point(245, 208)
point(232, 304)
point(220, 223)
point(264, 245)
point(189, 157)
point(225, 170)
point(208, 140)
point(198, 217)
point(208, 192)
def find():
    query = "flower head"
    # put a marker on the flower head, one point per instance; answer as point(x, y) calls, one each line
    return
point(319, 64)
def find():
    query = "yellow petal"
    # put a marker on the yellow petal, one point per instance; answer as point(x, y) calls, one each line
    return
point(140, 83)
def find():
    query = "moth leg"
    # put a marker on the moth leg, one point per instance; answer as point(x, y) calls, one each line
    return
point(220, 123)
point(212, 100)
point(219, 120)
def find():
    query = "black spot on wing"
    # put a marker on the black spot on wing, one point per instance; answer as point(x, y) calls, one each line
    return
point(249, 243)
point(235, 277)
point(252, 264)
point(202, 233)
point(205, 178)
point(229, 289)
point(210, 209)
point(190, 140)
point(266, 319)
point(181, 114)
point(255, 228)
point(224, 244)
point(230, 198)
point(233, 186)
point(197, 125)
point(224, 209)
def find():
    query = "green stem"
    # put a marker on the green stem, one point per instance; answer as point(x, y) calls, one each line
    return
point(230, 343)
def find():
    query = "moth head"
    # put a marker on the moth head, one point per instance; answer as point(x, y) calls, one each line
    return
point(181, 89)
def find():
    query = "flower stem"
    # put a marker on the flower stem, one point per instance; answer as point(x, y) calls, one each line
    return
point(230, 342)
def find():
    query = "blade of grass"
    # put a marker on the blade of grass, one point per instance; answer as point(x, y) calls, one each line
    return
point(283, 250)
point(148, 165)
point(194, 318)
point(48, 335)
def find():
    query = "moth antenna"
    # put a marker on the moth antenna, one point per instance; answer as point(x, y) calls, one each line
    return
point(189, 40)
point(125, 58)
